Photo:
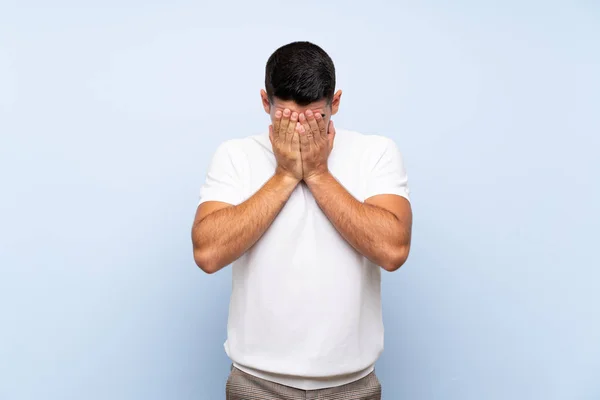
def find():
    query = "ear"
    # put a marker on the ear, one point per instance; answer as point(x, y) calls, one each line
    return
point(335, 102)
point(265, 101)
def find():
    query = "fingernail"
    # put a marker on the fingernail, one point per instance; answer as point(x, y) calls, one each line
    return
point(278, 114)
point(286, 112)
point(301, 117)
point(294, 115)
point(309, 113)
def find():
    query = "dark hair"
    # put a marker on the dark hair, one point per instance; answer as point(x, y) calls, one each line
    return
point(300, 71)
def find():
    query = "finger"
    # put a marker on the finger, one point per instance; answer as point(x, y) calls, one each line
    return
point(305, 125)
point(321, 125)
point(296, 141)
point(285, 122)
point(314, 127)
point(277, 121)
point(291, 126)
point(304, 140)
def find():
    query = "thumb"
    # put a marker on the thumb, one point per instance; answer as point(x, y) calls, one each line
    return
point(331, 133)
point(331, 130)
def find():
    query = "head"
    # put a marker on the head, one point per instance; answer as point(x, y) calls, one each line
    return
point(300, 76)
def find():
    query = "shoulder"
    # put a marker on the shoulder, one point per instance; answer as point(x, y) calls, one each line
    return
point(238, 147)
point(231, 145)
point(368, 144)
point(247, 143)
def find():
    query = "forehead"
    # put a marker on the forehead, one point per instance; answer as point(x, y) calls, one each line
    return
point(293, 106)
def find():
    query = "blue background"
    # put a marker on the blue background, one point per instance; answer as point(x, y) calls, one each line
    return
point(110, 111)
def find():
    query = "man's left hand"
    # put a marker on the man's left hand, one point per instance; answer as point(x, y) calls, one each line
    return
point(316, 143)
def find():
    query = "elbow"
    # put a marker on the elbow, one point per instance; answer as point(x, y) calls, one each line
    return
point(395, 258)
point(206, 261)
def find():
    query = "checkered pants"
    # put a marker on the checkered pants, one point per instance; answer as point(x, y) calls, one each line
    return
point(243, 386)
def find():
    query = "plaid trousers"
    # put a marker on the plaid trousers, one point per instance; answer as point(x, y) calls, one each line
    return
point(243, 386)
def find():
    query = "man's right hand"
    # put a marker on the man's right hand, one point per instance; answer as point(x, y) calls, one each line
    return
point(286, 144)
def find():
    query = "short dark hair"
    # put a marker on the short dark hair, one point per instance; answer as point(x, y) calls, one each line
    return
point(300, 71)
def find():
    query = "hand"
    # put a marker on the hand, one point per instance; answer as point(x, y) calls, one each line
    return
point(316, 143)
point(286, 144)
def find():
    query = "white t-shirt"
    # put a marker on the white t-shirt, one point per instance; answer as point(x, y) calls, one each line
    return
point(305, 307)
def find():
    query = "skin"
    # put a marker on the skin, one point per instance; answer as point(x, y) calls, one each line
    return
point(379, 228)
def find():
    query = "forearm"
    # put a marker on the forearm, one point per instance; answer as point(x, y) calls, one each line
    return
point(373, 231)
point(224, 235)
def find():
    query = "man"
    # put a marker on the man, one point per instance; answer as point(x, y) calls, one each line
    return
point(307, 216)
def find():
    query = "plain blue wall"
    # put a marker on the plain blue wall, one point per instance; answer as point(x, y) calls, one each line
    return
point(109, 113)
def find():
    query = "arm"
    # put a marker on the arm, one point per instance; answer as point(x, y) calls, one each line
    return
point(222, 232)
point(225, 227)
point(379, 228)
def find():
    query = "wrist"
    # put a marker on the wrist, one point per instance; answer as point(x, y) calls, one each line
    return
point(316, 177)
point(286, 178)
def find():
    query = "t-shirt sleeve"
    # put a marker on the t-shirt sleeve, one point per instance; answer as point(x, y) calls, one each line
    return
point(388, 175)
point(222, 181)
